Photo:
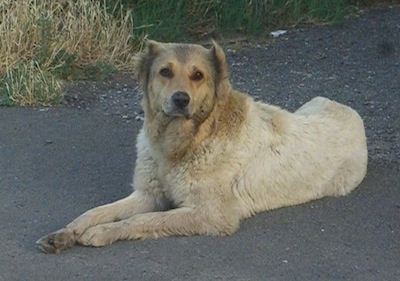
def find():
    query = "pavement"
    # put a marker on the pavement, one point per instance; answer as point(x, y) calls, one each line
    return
point(57, 162)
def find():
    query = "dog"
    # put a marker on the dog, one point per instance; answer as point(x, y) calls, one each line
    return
point(209, 156)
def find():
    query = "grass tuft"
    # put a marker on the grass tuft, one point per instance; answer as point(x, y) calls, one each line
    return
point(44, 41)
point(29, 85)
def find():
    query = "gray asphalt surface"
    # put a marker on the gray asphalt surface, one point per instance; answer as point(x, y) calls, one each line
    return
point(57, 162)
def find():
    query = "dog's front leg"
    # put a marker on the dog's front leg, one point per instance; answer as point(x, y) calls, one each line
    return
point(180, 221)
point(137, 202)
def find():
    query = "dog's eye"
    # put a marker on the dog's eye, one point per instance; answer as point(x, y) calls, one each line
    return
point(166, 72)
point(197, 76)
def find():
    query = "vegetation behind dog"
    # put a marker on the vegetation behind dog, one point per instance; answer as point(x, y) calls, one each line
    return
point(46, 42)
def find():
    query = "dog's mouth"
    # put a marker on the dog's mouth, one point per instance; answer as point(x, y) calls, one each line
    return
point(179, 113)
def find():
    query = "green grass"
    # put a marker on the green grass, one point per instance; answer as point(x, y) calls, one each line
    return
point(180, 20)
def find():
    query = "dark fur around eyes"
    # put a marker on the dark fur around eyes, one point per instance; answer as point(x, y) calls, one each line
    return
point(166, 72)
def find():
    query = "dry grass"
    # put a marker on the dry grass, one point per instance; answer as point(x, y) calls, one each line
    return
point(42, 41)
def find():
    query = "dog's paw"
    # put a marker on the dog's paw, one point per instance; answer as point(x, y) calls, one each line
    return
point(55, 242)
point(98, 236)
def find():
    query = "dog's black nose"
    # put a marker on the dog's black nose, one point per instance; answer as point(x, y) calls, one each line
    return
point(180, 99)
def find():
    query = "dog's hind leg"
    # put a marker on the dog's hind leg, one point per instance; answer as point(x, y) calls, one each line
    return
point(350, 174)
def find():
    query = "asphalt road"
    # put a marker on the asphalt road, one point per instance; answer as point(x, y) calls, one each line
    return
point(57, 162)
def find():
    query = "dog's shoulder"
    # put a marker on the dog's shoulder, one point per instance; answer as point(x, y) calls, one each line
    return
point(233, 112)
point(241, 111)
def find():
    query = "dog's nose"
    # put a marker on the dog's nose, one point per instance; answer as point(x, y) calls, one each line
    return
point(180, 99)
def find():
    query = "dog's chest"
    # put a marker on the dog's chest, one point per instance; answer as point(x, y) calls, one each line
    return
point(186, 178)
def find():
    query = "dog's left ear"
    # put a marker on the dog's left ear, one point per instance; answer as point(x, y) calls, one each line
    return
point(219, 60)
point(221, 68)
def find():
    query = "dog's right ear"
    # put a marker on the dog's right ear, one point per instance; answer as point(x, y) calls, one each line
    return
point(143, 60)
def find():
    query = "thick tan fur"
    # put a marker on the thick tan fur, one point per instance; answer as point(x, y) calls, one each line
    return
point(203, 167)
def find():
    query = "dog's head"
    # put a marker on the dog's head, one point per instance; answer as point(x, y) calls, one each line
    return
point(181, 80)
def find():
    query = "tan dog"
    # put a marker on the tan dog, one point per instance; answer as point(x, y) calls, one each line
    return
point(209, 156)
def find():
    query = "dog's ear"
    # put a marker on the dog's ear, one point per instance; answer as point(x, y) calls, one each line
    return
point(143, 60)
point(221, 68)
point(219, 60)
point(153, 47)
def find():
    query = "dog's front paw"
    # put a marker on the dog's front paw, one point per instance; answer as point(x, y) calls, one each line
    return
point(98, 236)
point(55, 242)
